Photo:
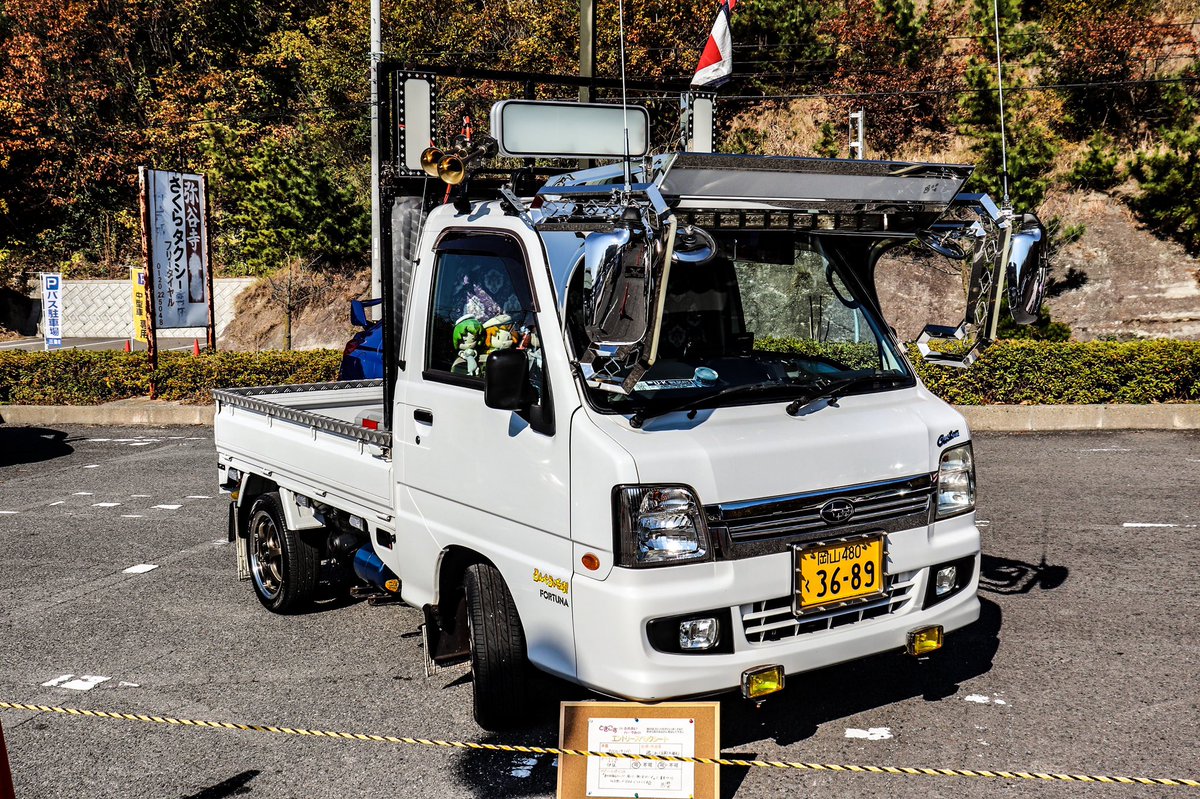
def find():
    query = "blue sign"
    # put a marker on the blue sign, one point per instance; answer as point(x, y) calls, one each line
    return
point(52, 310)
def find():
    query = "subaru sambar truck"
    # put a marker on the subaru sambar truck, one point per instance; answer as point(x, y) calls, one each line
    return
point(643, 426)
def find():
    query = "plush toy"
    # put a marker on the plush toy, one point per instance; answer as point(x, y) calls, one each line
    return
point(468, 332)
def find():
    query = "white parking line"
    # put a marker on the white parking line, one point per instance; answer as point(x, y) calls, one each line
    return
point(84, 682)
point(140, 568)
point(60, 502)
point(100, 343)
point(131, 516)
point(9, 512)
point(198, 496)
point(105, 504)
point(872, 734)
point(82, 494)
point(169, 507)
point(92, 466)
point(1147, 524)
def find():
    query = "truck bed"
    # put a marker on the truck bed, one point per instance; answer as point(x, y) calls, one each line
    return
point(304, 438)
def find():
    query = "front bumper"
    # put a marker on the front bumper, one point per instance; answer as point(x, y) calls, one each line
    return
point(615, 657)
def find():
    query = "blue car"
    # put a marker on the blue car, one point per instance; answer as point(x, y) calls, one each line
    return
point(362, 359)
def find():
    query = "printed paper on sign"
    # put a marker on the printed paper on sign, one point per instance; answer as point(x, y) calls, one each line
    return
point(646, 779)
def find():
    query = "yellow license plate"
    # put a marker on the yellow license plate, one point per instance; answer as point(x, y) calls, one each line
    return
point(840, 572)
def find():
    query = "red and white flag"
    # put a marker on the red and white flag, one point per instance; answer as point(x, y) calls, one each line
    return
point(716, 62)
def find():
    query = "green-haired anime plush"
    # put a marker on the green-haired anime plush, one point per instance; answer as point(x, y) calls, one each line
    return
point(467, 333)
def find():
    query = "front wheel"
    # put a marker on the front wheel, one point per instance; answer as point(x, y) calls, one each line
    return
point(499, 668)
point(283, 568)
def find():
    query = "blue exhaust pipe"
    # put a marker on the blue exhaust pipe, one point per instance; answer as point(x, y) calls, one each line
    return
point(369, 567)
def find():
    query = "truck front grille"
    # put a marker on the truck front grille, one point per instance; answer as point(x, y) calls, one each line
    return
point(773, 524)
point(773, 620)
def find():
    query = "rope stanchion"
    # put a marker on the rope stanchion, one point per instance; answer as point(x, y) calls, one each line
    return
point(1036, 776)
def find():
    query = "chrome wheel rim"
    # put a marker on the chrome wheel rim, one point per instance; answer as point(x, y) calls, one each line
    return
point(266, 555)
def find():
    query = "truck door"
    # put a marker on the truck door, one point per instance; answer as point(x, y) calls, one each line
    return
point(478, 477)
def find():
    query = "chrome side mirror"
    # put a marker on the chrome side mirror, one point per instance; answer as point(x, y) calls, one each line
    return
point(1026, 270)
point(617, 286)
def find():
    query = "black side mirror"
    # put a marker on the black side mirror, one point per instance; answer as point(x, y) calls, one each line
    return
point(506, 381)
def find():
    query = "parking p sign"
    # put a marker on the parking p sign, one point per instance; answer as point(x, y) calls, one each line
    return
point(52, 310)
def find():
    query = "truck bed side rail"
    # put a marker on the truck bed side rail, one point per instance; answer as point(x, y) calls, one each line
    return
point(252, 399)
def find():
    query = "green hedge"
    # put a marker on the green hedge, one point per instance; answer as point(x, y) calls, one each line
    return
point(1009, 372)
point(1064, 373)
point(82, 377)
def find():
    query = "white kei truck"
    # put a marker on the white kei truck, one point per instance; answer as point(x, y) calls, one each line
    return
point(642, 426)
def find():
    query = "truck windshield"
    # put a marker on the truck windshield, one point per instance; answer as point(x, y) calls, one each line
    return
point(769, 312)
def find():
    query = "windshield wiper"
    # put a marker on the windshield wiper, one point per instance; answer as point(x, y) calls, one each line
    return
point(837, 388)
point(639, 417)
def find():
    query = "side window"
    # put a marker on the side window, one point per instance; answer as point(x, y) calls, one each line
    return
point(482, 302)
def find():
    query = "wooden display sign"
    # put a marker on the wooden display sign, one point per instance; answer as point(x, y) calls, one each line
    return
point(687, 729)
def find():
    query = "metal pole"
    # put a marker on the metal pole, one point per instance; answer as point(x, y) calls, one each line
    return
point(376, 57)
point(587, 46)
point(858, 126)
point(210, 333)
point(148, 262)
point(1000, 86)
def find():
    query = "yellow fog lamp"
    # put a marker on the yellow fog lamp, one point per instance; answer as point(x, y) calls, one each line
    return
point(924, 640)
point(762, 681)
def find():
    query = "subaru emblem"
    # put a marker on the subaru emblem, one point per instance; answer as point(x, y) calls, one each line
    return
point(837, 511)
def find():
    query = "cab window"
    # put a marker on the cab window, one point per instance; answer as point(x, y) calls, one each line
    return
point(482, 303)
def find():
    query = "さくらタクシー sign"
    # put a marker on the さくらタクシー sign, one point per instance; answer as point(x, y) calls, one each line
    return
point(178, 237)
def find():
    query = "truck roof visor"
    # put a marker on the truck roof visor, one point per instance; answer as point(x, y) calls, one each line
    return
point(913, 194)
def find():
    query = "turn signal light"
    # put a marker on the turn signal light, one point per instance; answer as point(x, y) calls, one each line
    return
point(924, 640)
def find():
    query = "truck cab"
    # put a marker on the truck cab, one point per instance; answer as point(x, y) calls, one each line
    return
point(645, 429)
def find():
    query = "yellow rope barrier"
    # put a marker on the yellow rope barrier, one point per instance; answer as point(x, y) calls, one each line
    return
point(545, 750)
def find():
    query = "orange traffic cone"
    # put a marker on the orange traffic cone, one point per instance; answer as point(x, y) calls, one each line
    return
point(195, 348)
point(127, 345)
point(6, 782)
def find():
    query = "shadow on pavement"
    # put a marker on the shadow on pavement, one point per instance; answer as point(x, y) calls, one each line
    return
point(31, 444)
point(236, 785)
point(810, 699)
point(1005, 576)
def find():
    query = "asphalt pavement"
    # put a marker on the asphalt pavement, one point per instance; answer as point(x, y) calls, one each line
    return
point(1086, 659)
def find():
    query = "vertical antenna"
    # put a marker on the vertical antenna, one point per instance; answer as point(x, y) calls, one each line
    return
point(624, 103)
point(1000, 84)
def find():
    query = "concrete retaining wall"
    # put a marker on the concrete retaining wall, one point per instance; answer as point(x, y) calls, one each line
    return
point(101, 308)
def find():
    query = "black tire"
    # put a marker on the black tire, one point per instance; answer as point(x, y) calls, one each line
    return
point(499, 668)
point(283, 568)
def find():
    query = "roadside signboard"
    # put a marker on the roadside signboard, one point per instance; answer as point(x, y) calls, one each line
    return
point(141, 318)
point(180, 277)
point(673, 729)
point(52, 310)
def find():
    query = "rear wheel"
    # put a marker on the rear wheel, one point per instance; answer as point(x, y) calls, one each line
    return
point(499, 668)
point(283, 568)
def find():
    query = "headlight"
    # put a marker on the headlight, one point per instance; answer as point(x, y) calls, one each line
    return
point(956, 482)
point(660, 525)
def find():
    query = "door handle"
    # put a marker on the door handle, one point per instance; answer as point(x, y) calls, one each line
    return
point(423, 416)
